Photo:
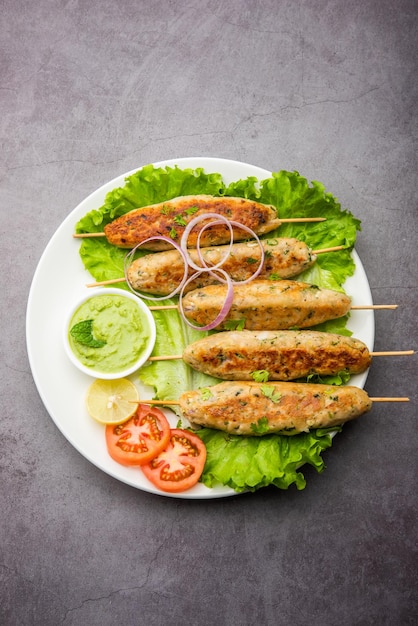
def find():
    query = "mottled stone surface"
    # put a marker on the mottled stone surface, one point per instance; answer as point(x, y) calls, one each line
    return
point(90, 90)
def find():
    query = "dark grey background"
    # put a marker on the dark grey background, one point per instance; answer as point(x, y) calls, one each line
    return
point(92, 89)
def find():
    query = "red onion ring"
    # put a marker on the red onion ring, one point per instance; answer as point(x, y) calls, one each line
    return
point(204, 265)
point(128, 260)
point(225, 307)
point(260, 266)
point(220, 219)
point(218, 265)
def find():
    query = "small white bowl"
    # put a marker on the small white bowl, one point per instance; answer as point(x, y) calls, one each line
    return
point(145, 353)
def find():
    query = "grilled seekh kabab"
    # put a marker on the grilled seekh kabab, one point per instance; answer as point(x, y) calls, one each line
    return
point(170, 218)
point(160, 273)
point(285, 355)
point(250, 408)
point(267, 305)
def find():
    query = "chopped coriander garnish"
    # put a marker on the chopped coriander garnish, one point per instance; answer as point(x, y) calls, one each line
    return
point(191, 210)
point(260, 376)
point(206, 393)
point(261, 427)
point(173, 233)
point(179, 219)
point(270, 392)
point(235, 324)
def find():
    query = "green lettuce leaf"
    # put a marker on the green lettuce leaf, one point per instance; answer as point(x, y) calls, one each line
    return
point(337, 326)
point(149, 186)
point(292, 196)
point(249, 463)
point(146, 186)
point(342, 378)
point(102, 260)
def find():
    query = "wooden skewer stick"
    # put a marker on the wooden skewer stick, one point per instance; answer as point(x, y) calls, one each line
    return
point(87, 235)
point(333, 249)
point(389, 399)
point(289, 220)
point(167, 357)
point(393, 353)
point(356, 308)
point(177, 403)
point(114, 281)
point(156, 402)
point(372, 354)
point(364, 307)
point(163, 307)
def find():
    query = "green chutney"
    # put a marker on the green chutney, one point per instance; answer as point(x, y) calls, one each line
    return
point(117, 323)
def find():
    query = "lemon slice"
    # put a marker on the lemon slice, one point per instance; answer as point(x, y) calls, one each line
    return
point(112, 401)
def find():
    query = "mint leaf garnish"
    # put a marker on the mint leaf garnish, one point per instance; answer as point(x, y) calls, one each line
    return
point(83, 333)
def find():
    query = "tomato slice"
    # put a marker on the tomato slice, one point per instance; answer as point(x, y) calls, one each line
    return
point(180, 465)
point(139, 439)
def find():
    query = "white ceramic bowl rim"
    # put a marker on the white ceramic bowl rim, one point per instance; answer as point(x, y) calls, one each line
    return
point(144, 354)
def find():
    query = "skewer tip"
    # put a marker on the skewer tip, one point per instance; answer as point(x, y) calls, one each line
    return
point(87, 235)
point(393, 353)
point(375, 307)
point(155, 402)
point(112, 281)
point(382, 399)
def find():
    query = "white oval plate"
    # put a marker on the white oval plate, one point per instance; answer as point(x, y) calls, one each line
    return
point(60, 280)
